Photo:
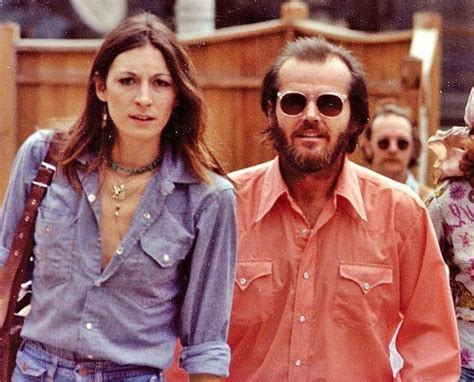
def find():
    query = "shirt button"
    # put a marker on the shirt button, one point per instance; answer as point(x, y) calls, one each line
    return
point(305, 232)
point(91, 198)
point(366, 286)
point(243, 281)
point(147, 216)
point(166, 258)
point(119, 251)
point(306, 275)
point(298, 362)
point(88, 326)
point(301, 318)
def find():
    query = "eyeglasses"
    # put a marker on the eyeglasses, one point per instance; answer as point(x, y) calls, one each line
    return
point(294, 103)
point(384, 143)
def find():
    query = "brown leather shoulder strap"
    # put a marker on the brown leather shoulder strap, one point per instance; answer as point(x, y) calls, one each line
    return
point(22, 243)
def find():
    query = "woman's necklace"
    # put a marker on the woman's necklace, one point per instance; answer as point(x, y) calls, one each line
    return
point(119, 189)
point(134, 170)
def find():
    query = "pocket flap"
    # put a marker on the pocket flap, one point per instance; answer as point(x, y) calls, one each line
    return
point(249, 271)
point(367, 276)
point(164, 252)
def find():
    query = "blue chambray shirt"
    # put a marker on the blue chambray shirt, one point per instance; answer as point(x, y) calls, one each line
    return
point(172, 275)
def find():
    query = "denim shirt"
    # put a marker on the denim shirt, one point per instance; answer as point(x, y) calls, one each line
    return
point(172, 275)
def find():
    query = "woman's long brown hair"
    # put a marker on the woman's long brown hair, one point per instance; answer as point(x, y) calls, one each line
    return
point(185, 129)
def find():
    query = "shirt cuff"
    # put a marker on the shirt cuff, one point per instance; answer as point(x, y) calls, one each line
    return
point(207, 358)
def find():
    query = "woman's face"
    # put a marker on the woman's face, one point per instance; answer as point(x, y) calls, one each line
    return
point(140, 94)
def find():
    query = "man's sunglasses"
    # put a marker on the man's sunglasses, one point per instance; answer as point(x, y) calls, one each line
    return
point(294, 103)
point(384, 143)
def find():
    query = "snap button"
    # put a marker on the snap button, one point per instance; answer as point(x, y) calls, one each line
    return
point(366, 286)
point(147, 216)
point(166, 258)
point(301, 318)
point(243, 281)
point(88, 326)
point(305, 232)
point(119, 251)
point(306, 275)
point(91, 198)
point(298, 362)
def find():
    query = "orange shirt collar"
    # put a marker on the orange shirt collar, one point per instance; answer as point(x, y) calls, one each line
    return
point(274, 186)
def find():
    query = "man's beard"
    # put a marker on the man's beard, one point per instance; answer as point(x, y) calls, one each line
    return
point(306, 162)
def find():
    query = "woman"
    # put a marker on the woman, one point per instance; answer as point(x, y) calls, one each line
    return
point(452, 211)
point(135, 239)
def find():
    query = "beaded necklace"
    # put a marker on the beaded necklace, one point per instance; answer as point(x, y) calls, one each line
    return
point(135, 170)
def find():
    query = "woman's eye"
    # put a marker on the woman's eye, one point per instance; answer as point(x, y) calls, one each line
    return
point(127, 81)
point(162, 83)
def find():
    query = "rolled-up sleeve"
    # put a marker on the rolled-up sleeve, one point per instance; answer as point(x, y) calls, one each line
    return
point(205, 313)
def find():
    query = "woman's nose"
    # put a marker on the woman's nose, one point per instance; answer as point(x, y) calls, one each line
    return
point(144, 96)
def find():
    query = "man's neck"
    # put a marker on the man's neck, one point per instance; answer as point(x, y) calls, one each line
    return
point(310, 191)
point(400, 177)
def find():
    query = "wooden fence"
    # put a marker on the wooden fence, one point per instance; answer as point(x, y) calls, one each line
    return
point(43, 80)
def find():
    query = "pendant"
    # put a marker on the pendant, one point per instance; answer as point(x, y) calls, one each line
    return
point(118, 192)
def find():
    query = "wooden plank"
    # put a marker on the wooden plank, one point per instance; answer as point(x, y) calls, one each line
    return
point(9, 33)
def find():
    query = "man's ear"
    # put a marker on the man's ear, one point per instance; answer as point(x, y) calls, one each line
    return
point(100, 89)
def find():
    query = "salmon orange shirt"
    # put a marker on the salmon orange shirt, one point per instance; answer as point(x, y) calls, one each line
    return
point(322, 303)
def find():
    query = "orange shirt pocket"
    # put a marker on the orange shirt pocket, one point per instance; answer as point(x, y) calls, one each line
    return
point(363, 291)
point(253, 297)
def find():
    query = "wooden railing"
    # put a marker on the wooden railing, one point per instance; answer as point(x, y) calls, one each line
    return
point(43, 80)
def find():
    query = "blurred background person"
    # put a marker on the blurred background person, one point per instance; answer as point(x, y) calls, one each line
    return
point(452, 210)
point(391, 146)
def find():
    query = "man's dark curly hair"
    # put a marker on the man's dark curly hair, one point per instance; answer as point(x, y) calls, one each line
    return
point(317, 49)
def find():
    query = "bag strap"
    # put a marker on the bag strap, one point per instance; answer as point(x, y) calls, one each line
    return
point(22, 243)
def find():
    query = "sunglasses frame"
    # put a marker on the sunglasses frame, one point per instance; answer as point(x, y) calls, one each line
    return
point(312, 97)
point(401, 148)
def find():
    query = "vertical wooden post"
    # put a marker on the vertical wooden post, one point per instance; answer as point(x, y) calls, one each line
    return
point(411, 92)
point(9, 33)
point(426, 43)
point(294, 10)
point(291, 11)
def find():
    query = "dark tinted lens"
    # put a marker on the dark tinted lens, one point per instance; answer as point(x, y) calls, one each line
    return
point(293, 103)
point(383, 144)
point(330, 105)
point(402, 144)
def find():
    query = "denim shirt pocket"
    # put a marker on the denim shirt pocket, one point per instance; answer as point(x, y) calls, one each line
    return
point(153, 274)
point(362, 292)
point(253, 291)
point(54, 247)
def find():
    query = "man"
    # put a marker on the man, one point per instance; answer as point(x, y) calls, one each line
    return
point(332, 255)
point(392, 147)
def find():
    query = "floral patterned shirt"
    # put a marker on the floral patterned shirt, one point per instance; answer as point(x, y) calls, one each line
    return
point(452, 210)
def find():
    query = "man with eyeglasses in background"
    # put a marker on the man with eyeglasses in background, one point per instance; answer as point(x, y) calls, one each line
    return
point(332, 255)
point(391, 146)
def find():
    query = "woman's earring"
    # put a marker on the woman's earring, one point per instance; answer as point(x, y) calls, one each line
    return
point(103, 124)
